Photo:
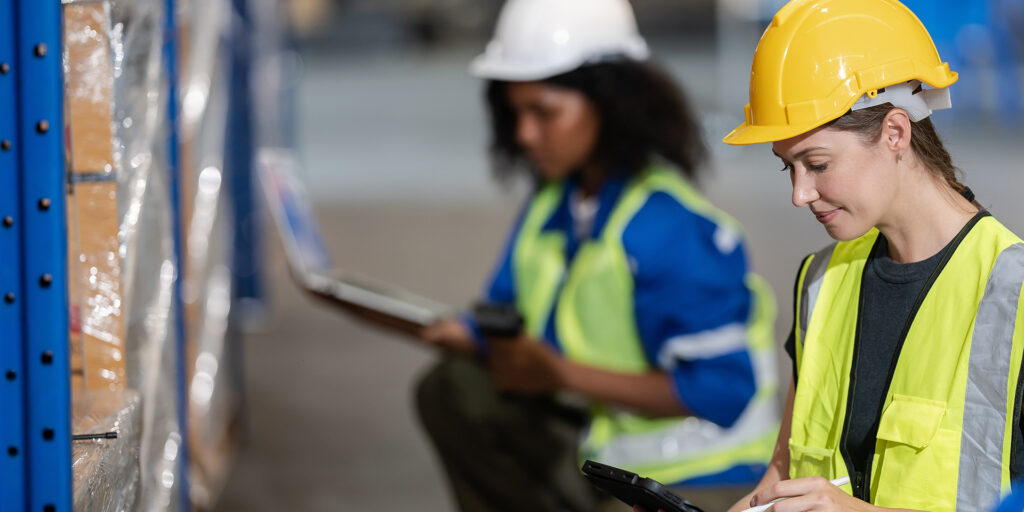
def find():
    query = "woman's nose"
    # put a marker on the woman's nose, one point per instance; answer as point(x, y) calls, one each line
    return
point(804, 191)
point(527, 131)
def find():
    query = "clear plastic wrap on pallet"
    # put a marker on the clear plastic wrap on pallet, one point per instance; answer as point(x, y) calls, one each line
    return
point(214, 394)
point(213, 386)
point(106, 471)
point(94, 266)
point(141, 157)
point(123, 265)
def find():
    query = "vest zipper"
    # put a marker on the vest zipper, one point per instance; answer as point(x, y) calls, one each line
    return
point(856, 478)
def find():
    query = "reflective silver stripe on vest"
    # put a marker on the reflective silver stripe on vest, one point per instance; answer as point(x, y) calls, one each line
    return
point(812, 286)
point(988, 372)
point(708, 344)
point(692, 437)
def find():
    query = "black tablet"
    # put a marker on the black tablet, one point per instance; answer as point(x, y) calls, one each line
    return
point(633, 489)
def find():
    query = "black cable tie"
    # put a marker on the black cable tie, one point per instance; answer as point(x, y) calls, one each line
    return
point(102, 435)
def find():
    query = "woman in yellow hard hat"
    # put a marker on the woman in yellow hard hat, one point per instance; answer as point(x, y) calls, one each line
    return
point(908, 331)
point(647, 340)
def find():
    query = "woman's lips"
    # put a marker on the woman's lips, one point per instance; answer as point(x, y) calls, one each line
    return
point(826, 217)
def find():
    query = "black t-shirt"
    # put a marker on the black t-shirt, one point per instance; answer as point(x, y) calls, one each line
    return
point(890, 290)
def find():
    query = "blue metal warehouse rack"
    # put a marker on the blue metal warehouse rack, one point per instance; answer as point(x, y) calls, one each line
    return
point(35, 389)
point(35, 401)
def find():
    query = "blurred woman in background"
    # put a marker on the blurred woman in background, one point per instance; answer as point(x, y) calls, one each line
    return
point(647, 341)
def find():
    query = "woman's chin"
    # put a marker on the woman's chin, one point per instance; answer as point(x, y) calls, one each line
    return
point(549, 174)
point(843, 232)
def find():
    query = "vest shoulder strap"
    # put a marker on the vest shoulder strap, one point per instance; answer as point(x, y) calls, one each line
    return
point(542, 205)
point(812, 275)
point(658, 178)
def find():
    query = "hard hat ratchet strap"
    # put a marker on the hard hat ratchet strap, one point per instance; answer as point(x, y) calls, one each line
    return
point(910, 96)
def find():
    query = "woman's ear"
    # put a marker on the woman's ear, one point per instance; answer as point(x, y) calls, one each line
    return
point(896, 131)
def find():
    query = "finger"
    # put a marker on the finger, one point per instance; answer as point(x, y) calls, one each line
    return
point(797, 504)
point(790, 489)
point(805, 485)
point(780, 489)
point(763, 496)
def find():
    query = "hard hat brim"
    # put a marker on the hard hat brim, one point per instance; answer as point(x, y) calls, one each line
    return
point(746, 134)
point(494, 69)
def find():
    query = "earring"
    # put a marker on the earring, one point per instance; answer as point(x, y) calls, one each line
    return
point(899, 157)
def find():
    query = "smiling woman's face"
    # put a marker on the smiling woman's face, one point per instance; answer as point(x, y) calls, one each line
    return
point(848, 185)
point(556, 127)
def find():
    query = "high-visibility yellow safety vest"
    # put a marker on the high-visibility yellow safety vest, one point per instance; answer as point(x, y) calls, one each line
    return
point(596, 326)
point(944, 435)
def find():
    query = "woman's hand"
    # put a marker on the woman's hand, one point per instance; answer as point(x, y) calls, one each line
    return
point(449, 334)
point(744, 502)
point(809, 493)
point(524, 365)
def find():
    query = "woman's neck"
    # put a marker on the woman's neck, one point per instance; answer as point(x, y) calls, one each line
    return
point(926, 215)
point(591, 178)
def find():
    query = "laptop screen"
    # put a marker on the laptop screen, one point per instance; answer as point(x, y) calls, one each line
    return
point(290, 208)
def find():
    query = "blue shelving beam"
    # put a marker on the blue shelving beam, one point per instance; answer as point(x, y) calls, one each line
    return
point(12, 389)
point(36, 395)
point(170, 55)
point(239, 155)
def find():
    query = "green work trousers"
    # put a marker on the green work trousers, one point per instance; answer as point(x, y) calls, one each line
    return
point(515, 453)
point(502, 452)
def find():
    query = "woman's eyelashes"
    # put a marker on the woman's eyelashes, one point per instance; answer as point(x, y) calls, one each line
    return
point(817, 167)
point(813, 167)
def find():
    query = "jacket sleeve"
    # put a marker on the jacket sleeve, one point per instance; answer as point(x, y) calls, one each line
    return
point(692, 306)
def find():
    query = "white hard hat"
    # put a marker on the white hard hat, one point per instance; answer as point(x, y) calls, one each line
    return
point(537, 39)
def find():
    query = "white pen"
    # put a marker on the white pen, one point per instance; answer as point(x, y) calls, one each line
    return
point(761, 508)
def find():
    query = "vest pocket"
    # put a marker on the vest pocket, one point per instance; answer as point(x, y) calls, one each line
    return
point(809, 461)
point(911, 421)
point(915, 458)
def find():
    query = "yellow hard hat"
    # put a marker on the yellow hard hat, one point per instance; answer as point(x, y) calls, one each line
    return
point(820, 57)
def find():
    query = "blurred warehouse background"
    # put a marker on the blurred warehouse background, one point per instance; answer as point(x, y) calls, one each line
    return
point(391, 133)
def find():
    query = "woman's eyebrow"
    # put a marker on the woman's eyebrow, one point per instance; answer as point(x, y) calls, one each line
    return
point(801, 153)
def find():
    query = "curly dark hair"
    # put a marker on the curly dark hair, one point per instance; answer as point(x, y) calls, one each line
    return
point(643, 113)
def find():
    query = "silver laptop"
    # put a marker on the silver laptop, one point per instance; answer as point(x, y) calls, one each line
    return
point(309, 261)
